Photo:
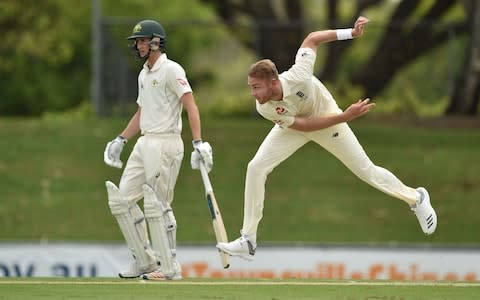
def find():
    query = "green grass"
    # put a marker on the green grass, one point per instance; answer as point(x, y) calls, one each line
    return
point(52, 184)
point(118, 289)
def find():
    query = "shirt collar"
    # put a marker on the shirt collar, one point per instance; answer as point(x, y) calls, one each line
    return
point(157, 64)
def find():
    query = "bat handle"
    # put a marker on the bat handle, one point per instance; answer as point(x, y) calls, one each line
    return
point(205, 178)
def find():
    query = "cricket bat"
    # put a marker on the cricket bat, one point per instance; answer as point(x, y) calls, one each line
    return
point(217, 221)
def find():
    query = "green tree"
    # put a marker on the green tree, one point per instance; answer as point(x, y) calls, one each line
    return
point(46, 50)
point(466, 94)
point(44, 55)
point(413, 29)
point(189, 31)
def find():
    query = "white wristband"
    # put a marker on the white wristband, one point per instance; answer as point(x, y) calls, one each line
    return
point(344, 34)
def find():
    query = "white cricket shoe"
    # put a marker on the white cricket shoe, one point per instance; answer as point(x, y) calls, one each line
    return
point(425, 213)
point(158, 275)
point(136, 271)
point(241, 247)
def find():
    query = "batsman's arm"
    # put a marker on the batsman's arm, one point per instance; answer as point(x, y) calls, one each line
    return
point(193, 113)
point(133, 126)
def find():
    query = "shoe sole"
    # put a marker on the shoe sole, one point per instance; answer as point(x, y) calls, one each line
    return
point(146, 277)
point(248, 257)
point(137, 276)
point(127, 277)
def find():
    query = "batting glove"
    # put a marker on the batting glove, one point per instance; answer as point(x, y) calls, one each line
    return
point(111, 156)
point(202, 151)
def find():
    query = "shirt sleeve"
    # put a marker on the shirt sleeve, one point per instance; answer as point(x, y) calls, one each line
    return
point(178, 80)
point(303, 67)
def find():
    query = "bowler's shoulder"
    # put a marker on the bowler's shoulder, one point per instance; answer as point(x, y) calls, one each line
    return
point(306, 52)
point(302, 69)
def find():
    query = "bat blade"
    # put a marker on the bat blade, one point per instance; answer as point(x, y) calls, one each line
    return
point(217, 220)
point(218, 227)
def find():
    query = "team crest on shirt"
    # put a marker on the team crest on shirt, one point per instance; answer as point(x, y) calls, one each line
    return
point(154, 83)
point(182, 81)
point(281, 110)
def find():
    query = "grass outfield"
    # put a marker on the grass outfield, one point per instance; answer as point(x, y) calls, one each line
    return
point(118, 289)
point(52, 184)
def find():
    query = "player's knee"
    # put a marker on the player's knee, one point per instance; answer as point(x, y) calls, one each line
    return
point(254, 166)
point(366, 171)
point(117, 204)
point(153, 207)
point(257, 169)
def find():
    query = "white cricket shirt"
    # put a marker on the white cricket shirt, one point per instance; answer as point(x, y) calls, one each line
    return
point(159, 93)
point(303, 93)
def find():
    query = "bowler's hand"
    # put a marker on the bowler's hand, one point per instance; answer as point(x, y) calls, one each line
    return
point(357, 30)
point(358, 109)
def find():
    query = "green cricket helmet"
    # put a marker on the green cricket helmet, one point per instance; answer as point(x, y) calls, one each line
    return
point(150, 29)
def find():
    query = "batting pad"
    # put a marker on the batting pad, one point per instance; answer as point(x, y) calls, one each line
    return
point(162, 225)
point(134, 236)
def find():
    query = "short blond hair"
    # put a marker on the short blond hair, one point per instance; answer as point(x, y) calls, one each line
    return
point(263, 69)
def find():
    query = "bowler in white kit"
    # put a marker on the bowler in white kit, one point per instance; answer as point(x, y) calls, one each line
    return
point(303, 110)
point(154, 163)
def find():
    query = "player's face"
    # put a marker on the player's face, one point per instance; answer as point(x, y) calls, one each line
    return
point(261, 89)
point(143, 46)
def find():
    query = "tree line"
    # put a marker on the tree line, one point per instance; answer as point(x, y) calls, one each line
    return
point(414, 29)
point(46, 54)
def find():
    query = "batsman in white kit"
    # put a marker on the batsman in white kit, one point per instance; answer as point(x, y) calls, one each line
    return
point(154, 163)
point(303, 110)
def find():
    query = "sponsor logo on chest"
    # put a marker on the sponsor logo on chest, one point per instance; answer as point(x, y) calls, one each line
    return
point(301, 95)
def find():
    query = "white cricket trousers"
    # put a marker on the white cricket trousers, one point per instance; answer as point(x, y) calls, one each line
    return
point(155, 160)
point(339, 140)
